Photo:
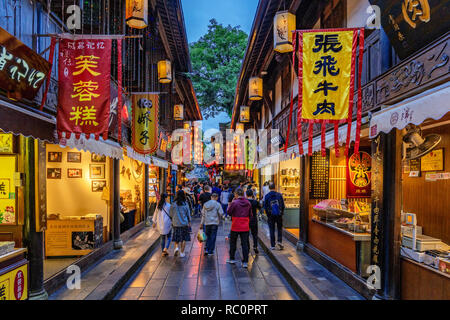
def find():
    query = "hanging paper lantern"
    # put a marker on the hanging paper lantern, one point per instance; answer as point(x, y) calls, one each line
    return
point(124, 113)
point(178, 112)
point(137, 13)
point(240, 127)
point(255, 88)
point(164, 71)
point(245, 114)
point(187, 125)
point(283, 25)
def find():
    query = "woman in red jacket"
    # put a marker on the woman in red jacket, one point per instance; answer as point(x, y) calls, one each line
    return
point(240, 211)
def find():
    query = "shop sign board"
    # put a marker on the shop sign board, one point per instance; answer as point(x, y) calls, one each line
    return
point(433, 161)
point(84, 87)
point(412, 24)
point(14, 284)
point(22, 71)
point(144, 129)
point(319, 171)
point(7, 190)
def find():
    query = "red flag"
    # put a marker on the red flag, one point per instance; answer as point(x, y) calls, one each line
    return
point(84, 87)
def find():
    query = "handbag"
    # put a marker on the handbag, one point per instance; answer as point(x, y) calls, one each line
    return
point(201, 236)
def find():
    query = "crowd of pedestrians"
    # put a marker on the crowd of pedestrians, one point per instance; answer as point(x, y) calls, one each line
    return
point(242, 204)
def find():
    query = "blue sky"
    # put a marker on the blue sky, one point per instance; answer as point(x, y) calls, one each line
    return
point(197, 14)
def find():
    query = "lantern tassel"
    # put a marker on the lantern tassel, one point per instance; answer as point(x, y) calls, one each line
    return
point(310, 147)
point(336, 139)
point(324, 150)
point(294, 44)
point(119, 89)
point(359, 103)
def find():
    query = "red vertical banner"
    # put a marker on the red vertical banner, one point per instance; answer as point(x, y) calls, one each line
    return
point(359, 173)
point(84, 87)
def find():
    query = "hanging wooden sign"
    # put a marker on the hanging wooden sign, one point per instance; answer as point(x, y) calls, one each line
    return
point(359, 174)
point(144, 129)
point(326, 78)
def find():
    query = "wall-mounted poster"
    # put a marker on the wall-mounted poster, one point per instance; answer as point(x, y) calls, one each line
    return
point(55, 157)
point(97, 171)
point(7, 190)
point(98, 185)
point(359, 174)
point(53, 173)
point(433, 161)
point(74, 157)
point(6, 143)
point(98, 158)
point(320, 169)
point(74, 173)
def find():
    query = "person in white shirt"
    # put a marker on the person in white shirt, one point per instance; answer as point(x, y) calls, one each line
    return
point(163, 222)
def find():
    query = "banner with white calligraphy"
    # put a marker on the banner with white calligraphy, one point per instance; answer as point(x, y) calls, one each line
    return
point(144, 129)
point(84, 87)
point(326, 74)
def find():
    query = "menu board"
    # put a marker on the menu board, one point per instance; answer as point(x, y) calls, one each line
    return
point(433, 161)
point(319, 176)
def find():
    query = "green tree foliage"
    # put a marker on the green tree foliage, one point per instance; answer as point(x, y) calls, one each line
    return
point(216, 61)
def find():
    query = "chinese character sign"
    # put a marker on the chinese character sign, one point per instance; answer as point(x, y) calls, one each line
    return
point(84, 87)
point(145, 123)
point(22, 71)
point(326, 71)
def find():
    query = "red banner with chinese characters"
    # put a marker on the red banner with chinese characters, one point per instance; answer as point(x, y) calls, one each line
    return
point(84, 87)
point(359, 174)
point(326, 79)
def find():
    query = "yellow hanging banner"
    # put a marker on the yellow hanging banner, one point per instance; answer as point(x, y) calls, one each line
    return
point(327, 69)
point(145, 123)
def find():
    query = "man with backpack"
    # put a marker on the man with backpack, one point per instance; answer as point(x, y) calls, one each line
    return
point(274, 206)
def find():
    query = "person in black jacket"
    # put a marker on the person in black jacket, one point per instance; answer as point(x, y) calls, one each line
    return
point(205, 196)
point(274, 206)
point(253, 218)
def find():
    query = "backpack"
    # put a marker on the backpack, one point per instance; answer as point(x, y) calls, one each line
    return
point(275, 207)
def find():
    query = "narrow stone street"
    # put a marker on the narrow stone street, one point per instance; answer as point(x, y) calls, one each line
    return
point(199, 277)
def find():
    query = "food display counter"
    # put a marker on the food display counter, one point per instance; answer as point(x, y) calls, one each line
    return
point(13, 274)
point(344, 239)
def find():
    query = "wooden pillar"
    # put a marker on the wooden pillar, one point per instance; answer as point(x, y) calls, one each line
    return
point(304, 201)
point(118, 244)
point(386, 197)
point(34, 241)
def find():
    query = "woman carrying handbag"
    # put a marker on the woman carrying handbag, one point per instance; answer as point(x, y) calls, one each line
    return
point(163, 222)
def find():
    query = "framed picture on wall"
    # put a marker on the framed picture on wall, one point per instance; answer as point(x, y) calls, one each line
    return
point(55, 156)
point(98, 158)
point(74, 157)
point(54, 173)
point(97, 171)
point(98, 185)
point(74, 173)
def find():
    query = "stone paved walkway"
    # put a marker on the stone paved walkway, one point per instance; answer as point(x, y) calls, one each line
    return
point(304, 272)
point(199, 277)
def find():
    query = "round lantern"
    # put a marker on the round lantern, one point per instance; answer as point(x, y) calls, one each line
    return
point(137, 13)
point(164, 71)
point(244, 114)
point(255, 88)
point(283, 25)
point(178, 112)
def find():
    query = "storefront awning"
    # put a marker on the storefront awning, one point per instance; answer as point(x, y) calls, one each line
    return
point(433, 103)
point(18, 120)
point(317, 145)
point(101, 147)
point(147, 159)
